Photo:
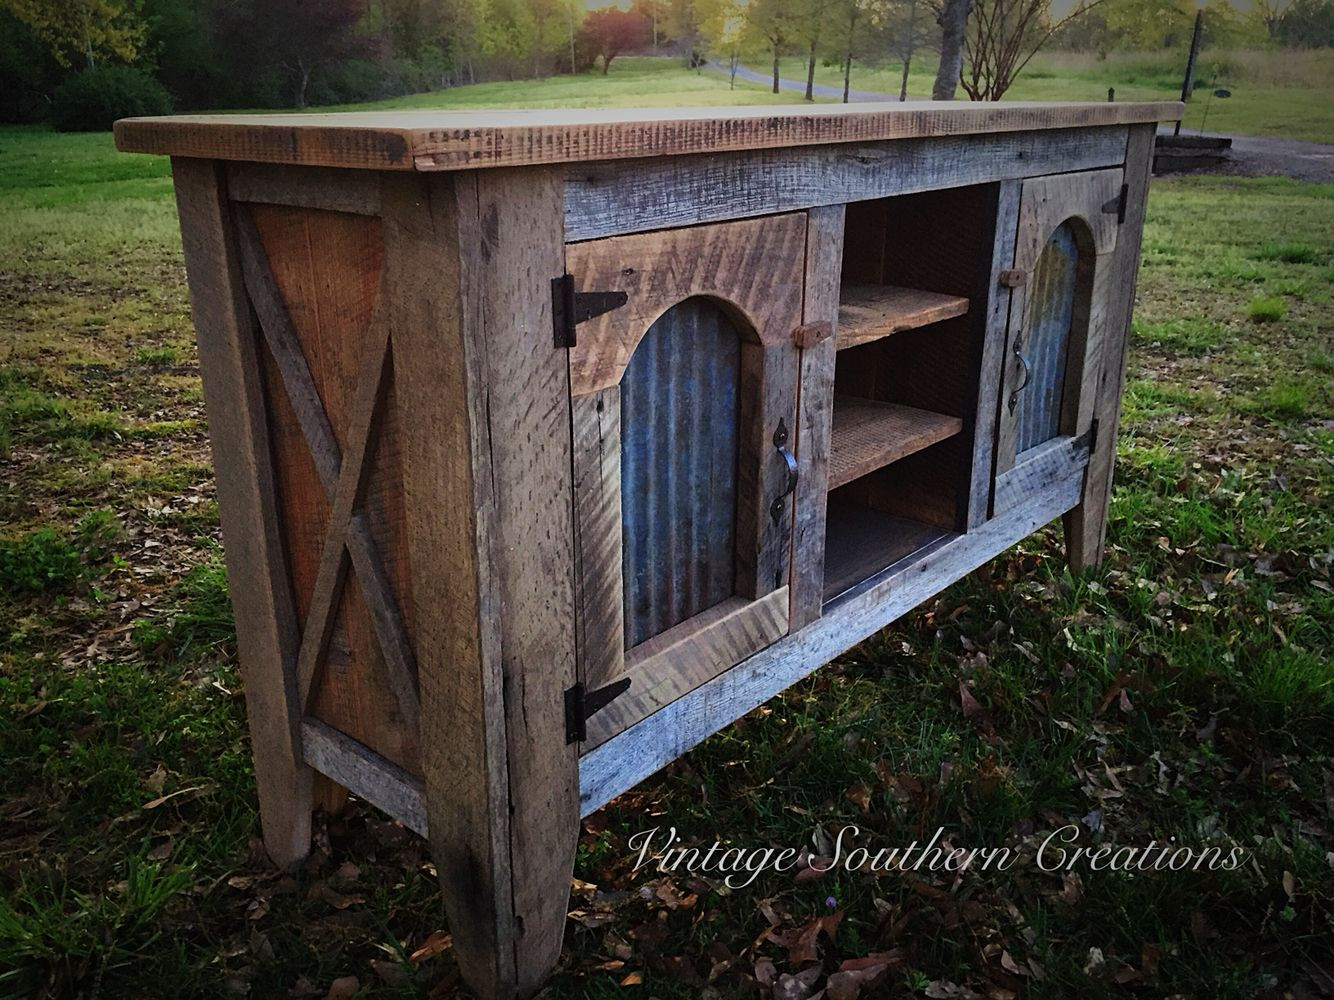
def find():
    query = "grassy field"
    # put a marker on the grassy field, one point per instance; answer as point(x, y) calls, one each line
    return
point(1184, 690)
point(1288, 94)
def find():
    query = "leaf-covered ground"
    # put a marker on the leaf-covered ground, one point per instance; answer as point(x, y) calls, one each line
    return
point(1184, 690)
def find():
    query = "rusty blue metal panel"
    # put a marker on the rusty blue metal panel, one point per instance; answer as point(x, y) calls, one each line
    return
point(679, 468)
point(1046, 340)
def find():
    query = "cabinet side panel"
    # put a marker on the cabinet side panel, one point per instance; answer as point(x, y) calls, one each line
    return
point(261, 593)
point(326, 266)
point(1086, 525)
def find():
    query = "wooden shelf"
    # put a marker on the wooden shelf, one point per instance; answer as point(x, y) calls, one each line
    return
point(868, 435)
point(870, 312)
point(860, 543)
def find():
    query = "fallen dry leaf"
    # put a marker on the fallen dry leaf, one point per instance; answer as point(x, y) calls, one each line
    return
point(435, 943)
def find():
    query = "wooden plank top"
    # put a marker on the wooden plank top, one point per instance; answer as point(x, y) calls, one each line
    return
point(458, 140)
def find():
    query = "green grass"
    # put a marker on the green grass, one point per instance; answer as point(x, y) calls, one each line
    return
point(1266, 309)
point(1182, 690)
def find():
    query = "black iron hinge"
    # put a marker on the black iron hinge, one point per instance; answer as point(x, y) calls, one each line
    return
point(1118, 205)
point(582, 704)
point(570, 308)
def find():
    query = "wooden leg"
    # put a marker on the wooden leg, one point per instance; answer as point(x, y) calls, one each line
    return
point(485, 406)
point(1086, 525)
point(266, 629)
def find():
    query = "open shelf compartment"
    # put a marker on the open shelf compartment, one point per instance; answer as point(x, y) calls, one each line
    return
point(916, 271)
point(860, 544)
point(868, 435)
point(871, 312)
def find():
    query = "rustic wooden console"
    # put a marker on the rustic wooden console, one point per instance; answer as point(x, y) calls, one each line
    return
point(548, 444)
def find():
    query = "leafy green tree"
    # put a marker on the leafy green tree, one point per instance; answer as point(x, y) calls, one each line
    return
point(1150, 24)
point(777, 24)
point(182, 53)
point(28, 71)
point(90, 30)
point(656, 13)
point(1307, 24)
point(810, 25)
point(610, 31)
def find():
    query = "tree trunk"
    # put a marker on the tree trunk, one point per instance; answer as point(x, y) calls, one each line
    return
point(303, 77)
point(810, 73)
point(775, 67)
point(908, 47)
point(953, 22)
point(736, 58)
point(847, 62)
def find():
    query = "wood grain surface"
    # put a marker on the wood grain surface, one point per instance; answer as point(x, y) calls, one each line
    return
point(870, 312)
point(869, 435)
point(457, 140)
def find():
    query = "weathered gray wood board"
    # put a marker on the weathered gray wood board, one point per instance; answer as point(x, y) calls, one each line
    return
point(612, 198)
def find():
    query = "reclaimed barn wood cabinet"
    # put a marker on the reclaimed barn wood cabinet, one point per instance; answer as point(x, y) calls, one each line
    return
point(549, 444)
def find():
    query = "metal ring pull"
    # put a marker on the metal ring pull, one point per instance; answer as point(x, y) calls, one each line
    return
point(1028, 374)
point(780, 445)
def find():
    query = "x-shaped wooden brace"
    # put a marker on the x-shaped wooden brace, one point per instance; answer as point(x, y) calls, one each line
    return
point(343, 478)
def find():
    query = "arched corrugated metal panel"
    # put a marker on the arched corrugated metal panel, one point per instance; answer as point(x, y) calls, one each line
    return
point(679, 468)
point(1046, 340)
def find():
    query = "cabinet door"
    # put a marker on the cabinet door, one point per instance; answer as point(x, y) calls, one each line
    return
point(1067, 230)
point(683, 404)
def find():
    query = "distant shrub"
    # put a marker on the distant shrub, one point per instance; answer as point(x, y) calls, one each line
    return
point(41, 562)
point(345, 82)
point(49, 562)
point(1266, 310)
point(1288, 253)
point(90, 101)
point(1284, 400)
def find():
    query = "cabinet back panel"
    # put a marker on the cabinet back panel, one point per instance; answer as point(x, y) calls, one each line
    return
point(679, 407)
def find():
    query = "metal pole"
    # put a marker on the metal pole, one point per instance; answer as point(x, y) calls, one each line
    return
point(1189, 83)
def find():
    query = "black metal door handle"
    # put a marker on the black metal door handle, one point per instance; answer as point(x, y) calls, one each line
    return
point(790, 461)
point(1028, 374)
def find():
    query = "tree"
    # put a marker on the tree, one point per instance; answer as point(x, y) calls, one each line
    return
point(809, 22)
point(28, 71)
point(83, 29)
point(609, 32)
point(773, 21)
point(462, 36)
point(183, 52)
point(1151, 24)
point(307, 35)
point(1001, 39)
point(899, 28)
point(1224, 27)
point(683, 23)
point(1308, 24)
point(1270, 14)
point(724, 29)
point(850, 18)
point(655, 12)
point(953, 21)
